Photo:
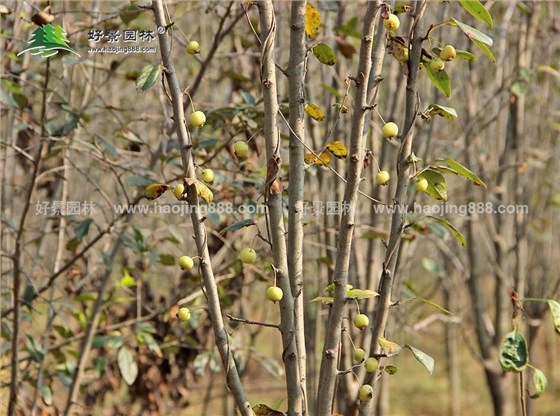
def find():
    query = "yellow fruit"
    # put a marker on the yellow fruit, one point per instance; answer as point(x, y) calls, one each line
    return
point(178, 192)
point(184, 314)
point(365, 393)
point(359, 355)
point(274, 293)
point(383, 178)
point(448, 53)
point(361, 321)
point(197, 119)
point(248, 255)
point(371, 364)
point(392, 22)
point(390, 129)
point(193, 47)
point(186, 263)
point(437, 65)
point(207, 175)
point(241, 149)
point(421, 185)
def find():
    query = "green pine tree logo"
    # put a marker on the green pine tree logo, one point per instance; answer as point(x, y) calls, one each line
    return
point(47, 41)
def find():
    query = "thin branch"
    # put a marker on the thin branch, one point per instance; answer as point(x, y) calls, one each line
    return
point(249, 322)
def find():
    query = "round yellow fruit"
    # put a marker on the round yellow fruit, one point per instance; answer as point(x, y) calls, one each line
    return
point(383, 178)
point(365, 393)
point(247, 255)
point(359, 355)
point(178, 192)
point(193, 47)
point(390, 129)
point(207, 175)
point(392, 22)
point(274, 293)
point(361, 321)
point(197, 119)
point(437, 65)
point(421, 185)
point(241, 149)
point(186, 263)
point(184, 314)
point(448, 53)
point(371, 364)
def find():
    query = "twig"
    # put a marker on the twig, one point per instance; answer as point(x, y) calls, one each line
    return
point(249, 322)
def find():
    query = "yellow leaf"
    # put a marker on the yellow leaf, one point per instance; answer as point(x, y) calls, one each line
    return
point(204, 192)
point(325, 300)
point(312, 21)
point(338, 149)
point(264, 410)
point(155, 190)
point(323, 158)
point(361, 294)
point(389, 347)
point(314, 112)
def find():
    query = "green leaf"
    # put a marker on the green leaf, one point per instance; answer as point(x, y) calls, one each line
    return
point(34, 349)
point(239, 225)
point(437, 185)
point(463, 171)
point(440, 80)
point(555, 312)
point(109, 147)
point(513, 352)
point(167, 259)
point(432, 266)
point(390, 369)
point(149, 340)
point(423, 358)
point(440, 110)
point(324, 54)
point(333, 91)
point(127, 366)
point(99, 364)
point(46, 394)
point(465, 55)
point(472, 33)
point(540, 382)
point(456, 233)
point(83, 228)
point(148, 77)
point(63, 331)
point(485, 49)
point(476, 8)
point(129, 12)
point(433, 305)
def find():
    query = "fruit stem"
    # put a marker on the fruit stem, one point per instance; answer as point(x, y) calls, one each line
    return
point(379, 114)
point(191, 101)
